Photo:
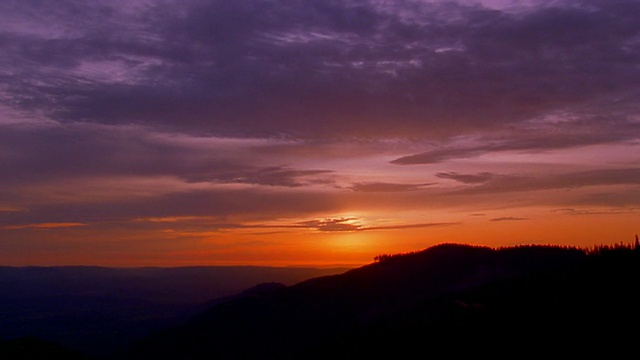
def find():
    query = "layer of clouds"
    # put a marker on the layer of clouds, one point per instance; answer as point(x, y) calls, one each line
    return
point(487, 183)
point(332, 68)
point(553, 132)
point(248, 204)
point(53, 153)
point(347, 224)
point(467, 178)
point(387, 187)
point(509, 218)
point(237, 113)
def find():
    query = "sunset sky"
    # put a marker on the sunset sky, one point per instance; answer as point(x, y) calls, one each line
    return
point(287, 132)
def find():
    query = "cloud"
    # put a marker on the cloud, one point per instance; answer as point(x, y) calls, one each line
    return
point(509, 218)
point(466, 178)
point(497, 183)
point(412, 226)
point(247, 203)
point(83, 151)
point(572, 211)
point(47, 226)
point(268, 176)
point(334, 68)
point(387, 187)
point(628, 199)
point(357, 224)
point(341, 224)
point(551, 132)
point(436, 156)
point(616, 189)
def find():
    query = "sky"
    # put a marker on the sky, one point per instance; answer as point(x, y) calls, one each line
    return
point(288, 132)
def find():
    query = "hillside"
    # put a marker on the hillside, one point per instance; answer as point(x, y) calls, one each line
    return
point(453, 299)
point(98, 310)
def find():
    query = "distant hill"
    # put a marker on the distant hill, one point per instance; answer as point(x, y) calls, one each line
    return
point(451, 299)
point(98, 310)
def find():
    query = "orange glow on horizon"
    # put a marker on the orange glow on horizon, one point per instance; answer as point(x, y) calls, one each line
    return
point(172, 246)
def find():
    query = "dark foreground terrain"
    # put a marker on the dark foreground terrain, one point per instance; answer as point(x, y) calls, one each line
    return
point(447, 301)
point(99, 311)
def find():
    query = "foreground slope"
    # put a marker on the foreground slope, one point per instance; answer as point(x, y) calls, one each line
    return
point(454, 298)
point(100, 310)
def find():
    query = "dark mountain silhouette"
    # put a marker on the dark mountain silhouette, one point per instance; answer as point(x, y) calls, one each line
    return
point(100, 310)
point(451, 299)
point(33, 348)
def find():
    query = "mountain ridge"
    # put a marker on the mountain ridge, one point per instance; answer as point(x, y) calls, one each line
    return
point(97, 310)
point(448, 300)
point(444, 292)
